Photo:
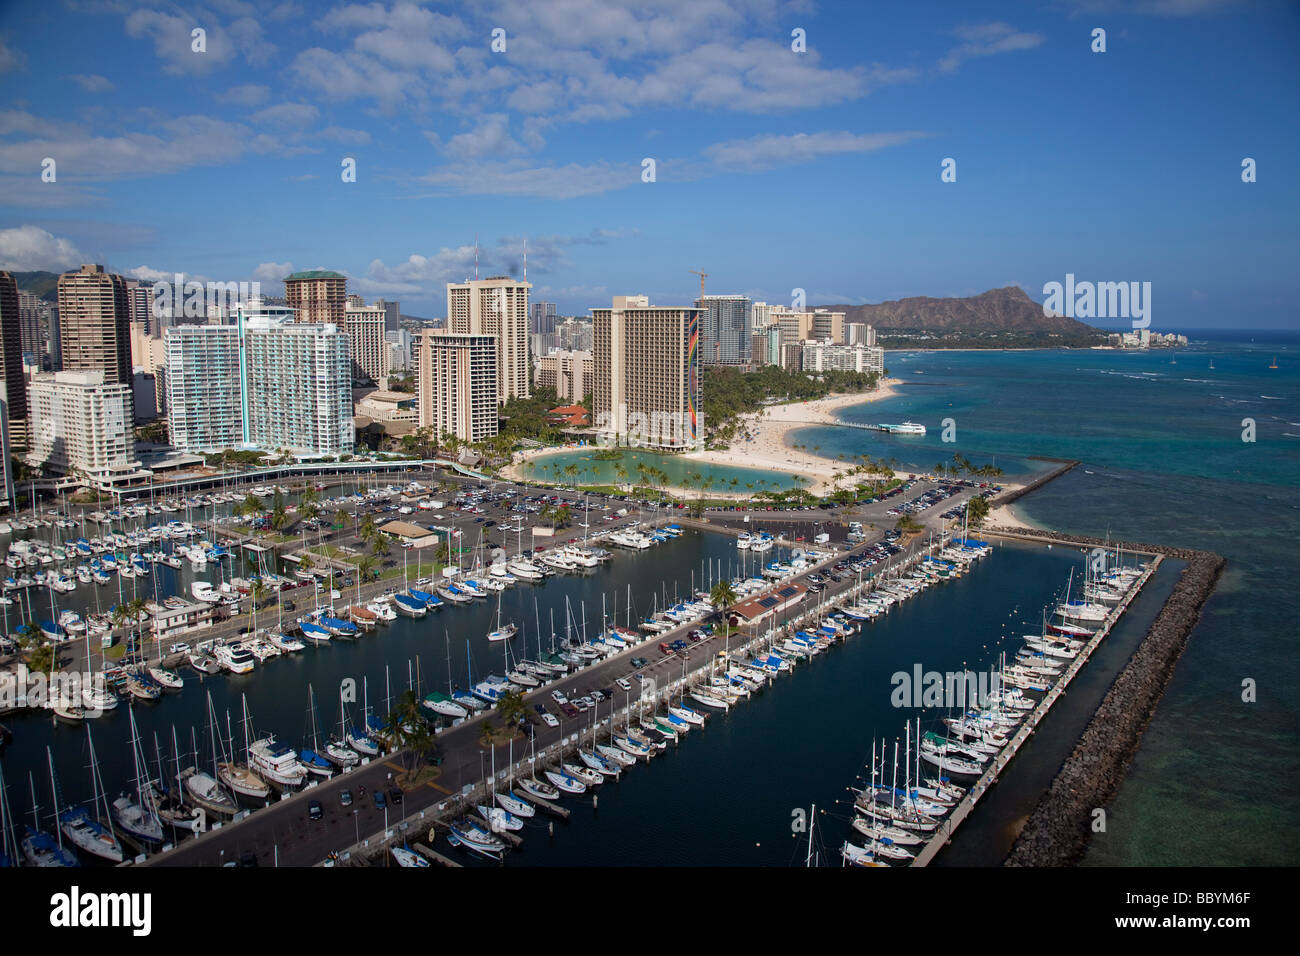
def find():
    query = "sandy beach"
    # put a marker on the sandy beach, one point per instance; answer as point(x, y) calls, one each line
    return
point(764, 442)
point(763, 437)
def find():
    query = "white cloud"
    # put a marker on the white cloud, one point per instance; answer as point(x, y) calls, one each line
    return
point(11, 59)
point(987, 39)
point(180, 143)
point(764, 152)
point(490, 138)
point(516, 178)
point(294, 116)
point(173, 40)
point(272, 271)
point(30, 248)
point(92, 82)
point(147, 274)
point(247, 94)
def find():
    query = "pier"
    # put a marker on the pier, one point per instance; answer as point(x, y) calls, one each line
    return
point(1030, 724)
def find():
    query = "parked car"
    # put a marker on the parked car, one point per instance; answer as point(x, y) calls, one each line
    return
point(549, 720)
point(345, 798)
point(394, 795)
point(380, 801)
point(314, 810)
point(624, 683)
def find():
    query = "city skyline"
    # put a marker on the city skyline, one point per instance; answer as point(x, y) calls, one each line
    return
point(774, 169)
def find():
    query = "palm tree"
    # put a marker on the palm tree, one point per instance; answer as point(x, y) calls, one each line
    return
point(365, 567)
point(723, 595)
point(511, 706)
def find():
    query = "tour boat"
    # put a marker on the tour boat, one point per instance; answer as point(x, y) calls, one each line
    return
point(276, 762)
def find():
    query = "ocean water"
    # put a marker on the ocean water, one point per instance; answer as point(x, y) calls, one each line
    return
point(1215, 780)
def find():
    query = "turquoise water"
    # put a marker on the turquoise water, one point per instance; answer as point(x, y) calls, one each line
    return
point(593, 471)
point(1163, 460)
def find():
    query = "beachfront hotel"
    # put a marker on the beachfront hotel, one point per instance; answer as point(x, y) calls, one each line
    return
point(265, 382)
point(568, 374)
point(647, 374)
point(81, 425)
point(824, 355)
point(498, 307)
point(724, 329)
point(456, 387)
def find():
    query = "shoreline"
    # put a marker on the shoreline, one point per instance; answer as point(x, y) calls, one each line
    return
point(768, 448)
point(764, 443)
point(765, 437)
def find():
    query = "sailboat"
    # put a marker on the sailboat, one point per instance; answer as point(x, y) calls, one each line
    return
point(502, 633)
point(237, 776)
point(1273, 364)
point(313, 759)
point(1211, 365)
point(337, 750)
point(407, 857)
point(87, 833)
point(39, 847)
point(137, 817)
point(356, 737)
point(442, 703)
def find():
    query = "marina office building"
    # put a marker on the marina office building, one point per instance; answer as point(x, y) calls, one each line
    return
point(647, 374)
point(265, 382)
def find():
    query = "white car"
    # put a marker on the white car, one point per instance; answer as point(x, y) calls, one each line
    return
point(558, 697)
point(624, 683)
point(549, 720)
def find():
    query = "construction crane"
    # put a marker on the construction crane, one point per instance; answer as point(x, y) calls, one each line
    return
point(703, 276)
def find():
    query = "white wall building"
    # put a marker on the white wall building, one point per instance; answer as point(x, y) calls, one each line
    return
point(265, 382)
point(82, 426)
point(824, 355)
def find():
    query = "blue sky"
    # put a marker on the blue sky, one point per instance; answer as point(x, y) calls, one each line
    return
point(775, 170)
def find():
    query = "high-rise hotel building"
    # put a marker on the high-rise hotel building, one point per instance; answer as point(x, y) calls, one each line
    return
point(724, 329)
point(647, 374)
point(11, 341)
point(95, 323)
point(318, 296)
point(498, 307)
point(365, 328)
point(456, 387)
point(265, 382)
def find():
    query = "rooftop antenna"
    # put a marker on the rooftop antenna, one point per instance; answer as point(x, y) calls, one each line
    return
point(525, 260)
point(476, 257)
